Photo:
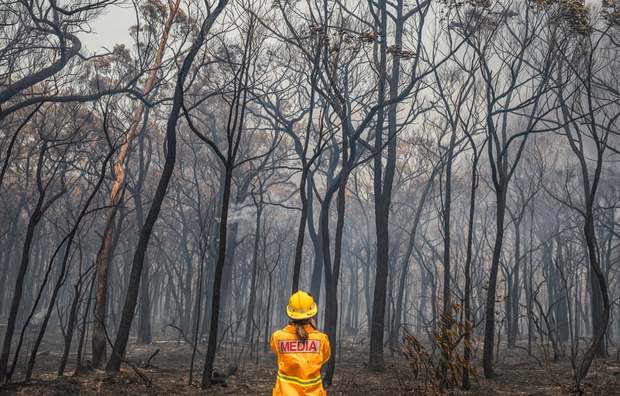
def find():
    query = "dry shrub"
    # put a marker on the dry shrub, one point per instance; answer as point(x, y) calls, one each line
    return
point(443, 367)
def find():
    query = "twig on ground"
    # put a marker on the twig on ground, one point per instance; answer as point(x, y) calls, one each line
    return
point(147, 363)
point(182, 333)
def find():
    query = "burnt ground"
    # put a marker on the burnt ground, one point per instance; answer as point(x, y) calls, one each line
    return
point(517, 374)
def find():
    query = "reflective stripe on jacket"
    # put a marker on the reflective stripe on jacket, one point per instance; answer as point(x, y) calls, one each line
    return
point(299, 363)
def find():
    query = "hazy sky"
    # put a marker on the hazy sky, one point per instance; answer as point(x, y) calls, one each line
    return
point(110, 28)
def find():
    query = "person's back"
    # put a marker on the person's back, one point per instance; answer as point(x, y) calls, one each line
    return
point(301, 351)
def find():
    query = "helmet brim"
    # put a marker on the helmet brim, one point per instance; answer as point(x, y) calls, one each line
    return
point(302, 315)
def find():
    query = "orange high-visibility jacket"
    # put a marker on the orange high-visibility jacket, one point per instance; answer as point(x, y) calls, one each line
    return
point(299, 363)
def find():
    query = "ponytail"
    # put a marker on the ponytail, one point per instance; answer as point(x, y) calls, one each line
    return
point(300, 330)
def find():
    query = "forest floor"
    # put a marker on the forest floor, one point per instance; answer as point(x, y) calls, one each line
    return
point(517, 374)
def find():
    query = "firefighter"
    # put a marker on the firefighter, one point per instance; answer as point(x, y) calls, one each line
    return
point(301, 350)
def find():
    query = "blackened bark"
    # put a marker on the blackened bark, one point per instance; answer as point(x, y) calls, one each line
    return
point(446, 314)
point(7, 254)
point(71, 324)
point(305, 195)
point(407, 257)
point(9, 150)
point(383, 182)
point(144, 323)
point(468, 325)
point(320, 246)
point(382, 207)
point(80, 352)
point(61, 277)
point(512, 319)
point(253, 281)
point(562, 299)
point(120, 345)
point(234, 129)
point(332, 272)
point(489, 326)
point(37, 214)
point(69, 48)
point(207, 373)
point(299, 247)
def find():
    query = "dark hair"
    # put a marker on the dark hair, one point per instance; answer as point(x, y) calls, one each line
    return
point(299, 328)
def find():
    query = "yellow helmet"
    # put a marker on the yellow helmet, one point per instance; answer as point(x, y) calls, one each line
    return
point(301, 305)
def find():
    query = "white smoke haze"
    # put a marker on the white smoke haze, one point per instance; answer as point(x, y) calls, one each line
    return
point(442, 177)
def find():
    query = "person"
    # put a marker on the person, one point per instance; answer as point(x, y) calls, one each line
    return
point(301, 350)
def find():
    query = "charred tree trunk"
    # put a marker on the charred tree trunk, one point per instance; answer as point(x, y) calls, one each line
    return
point(332, 272)
point(253, 282)
point(7, 255)
point(383, 180)
point(144, 323)
point(407, 257)
point(39, 210)
point(120, 345)
point(561, 306)
point(83, 329)
point(61, 278)
point(305, 195)
point(446, 314)
point(320, 246)
point(468, 319)
point(102, 265)
point(104, 255)
point(71, 324)
point(207, 373)
point(227, 276)
point(489, 326)
point(299, 247)
point(512, 323)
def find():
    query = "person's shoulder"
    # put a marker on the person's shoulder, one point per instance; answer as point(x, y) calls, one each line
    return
point(324, 338)
point(320, 334)
point(279, 333)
